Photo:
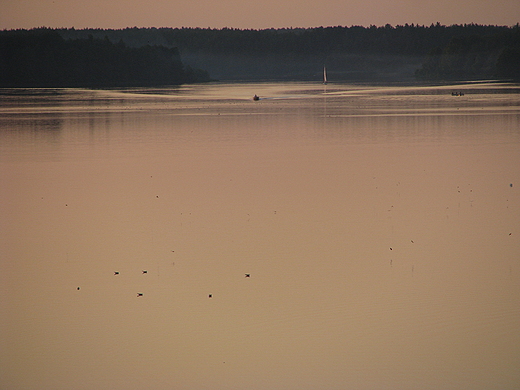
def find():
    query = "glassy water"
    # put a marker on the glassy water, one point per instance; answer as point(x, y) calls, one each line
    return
point(325, 237)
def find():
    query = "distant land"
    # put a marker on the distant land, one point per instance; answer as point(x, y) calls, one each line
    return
point(43, 58)
point(162, 56)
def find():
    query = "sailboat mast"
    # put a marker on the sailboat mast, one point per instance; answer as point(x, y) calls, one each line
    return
point(324, 75)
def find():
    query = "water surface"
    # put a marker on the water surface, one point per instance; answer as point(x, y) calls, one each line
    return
point(378, 224)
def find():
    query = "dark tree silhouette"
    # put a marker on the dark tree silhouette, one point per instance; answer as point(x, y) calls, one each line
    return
point(42, 58)
point(148, 56)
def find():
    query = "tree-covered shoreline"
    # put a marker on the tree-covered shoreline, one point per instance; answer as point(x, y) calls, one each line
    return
point(403, 52)
point(43, 58)
point(356, 53)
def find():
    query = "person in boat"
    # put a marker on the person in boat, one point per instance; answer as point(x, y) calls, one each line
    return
point(256, 97)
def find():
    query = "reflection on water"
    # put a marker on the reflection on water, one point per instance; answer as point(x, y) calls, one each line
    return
point(379, 227)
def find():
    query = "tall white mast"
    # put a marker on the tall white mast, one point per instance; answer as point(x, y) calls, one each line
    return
point(324, 75)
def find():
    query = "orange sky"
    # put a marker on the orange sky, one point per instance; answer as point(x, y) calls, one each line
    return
point(256, 14)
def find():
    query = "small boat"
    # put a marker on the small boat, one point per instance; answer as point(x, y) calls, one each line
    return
point(256, 97)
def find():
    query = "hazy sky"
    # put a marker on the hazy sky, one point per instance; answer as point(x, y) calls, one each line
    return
point(256, 14)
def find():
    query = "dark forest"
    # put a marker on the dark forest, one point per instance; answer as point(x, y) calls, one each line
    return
point(153, 56)
point(43, 58)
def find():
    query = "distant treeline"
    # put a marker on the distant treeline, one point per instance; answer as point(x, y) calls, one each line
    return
point(43, 58)
point(434, 52)
point(475, 56)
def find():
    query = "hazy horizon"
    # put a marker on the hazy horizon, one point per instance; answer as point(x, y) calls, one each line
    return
point(260, 28)
point(26, 14)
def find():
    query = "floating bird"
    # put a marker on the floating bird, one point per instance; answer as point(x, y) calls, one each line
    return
point(139, 294)
point(78, 288)
point(248, 275)
point(210, 296)
point(145, 271)
point(391, 249)
point(116, 272)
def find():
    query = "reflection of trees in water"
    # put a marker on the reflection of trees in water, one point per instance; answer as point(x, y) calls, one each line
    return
point(35, 135)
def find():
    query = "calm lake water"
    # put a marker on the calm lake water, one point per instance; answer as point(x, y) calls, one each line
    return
point(379, 227)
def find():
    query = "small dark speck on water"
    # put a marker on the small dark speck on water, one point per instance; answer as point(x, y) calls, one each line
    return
point(210, 296)
point(391, 249)
point(145, 271)
point(78, 288)
point(511, 185)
